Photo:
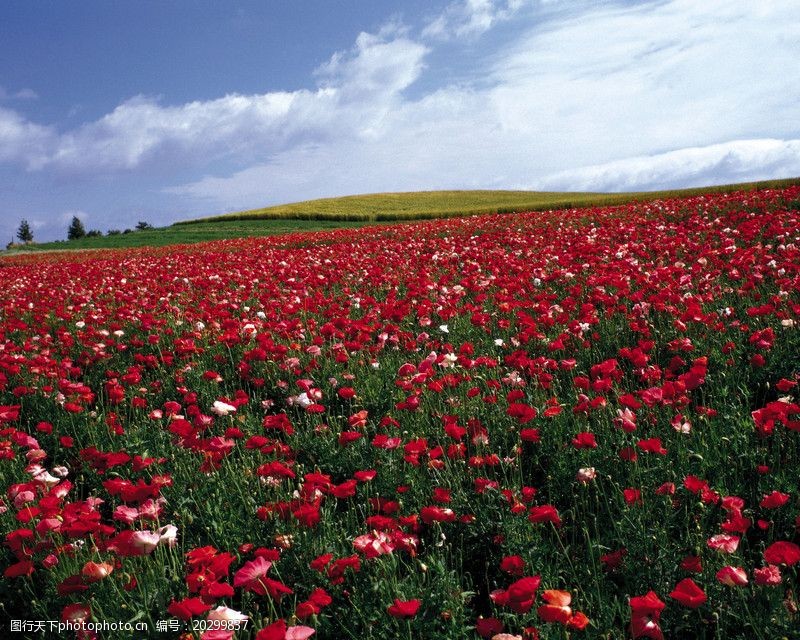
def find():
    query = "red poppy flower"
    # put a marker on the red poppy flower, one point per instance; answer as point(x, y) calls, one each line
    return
point(782, 552)
point(613, 559)
point(652, 445)
point(645, 616)
point(545, 513)
point(584, 440)
point(274, 631)
point(632, 496)
point(374, 544)
point(22, 568)
point(578, 621)
point(522, 412)
point(520, 595)
point(694, 484)
point(774, 500)
point(346, 393)
point(320, 562)
point(404, 608)
point(488, 627)
point(365, 476)
point(9, 413)
point(337, 568)
point(345, 490)
point(346, 437)
point(513, 565)
point(688, 594)
point(666, 489)
point(308, 515)
point(436, 514)
point(693, 564)
point(557, 608)
point(188, 607)
point(530, 435)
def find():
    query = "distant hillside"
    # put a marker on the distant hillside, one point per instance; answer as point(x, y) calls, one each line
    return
point(419, 205)
point(357, 211)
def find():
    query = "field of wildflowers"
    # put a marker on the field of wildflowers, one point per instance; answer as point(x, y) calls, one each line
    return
point(579, 423)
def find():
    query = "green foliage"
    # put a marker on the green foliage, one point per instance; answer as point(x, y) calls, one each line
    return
point(24, 233)
point(188, 234)
point(76, 229)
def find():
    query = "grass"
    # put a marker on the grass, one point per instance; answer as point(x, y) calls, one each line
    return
point(356, 211)
point(187, 234)
point(443, 204)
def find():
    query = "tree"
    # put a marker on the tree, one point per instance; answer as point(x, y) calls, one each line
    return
point(24, 232)
point(143, 226)
point(76, 229)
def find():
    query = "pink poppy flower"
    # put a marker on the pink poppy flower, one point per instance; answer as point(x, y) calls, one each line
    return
point(723, 542)
point(250, 575)
point(732, 576)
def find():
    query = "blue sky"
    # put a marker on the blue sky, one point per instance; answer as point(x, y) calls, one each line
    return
point(159, 111)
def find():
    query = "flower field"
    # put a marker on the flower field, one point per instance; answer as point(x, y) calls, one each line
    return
point(580, 423)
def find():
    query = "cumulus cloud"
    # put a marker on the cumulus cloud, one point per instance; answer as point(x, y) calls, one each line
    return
point(357, 88)
point(640, 95)
point(140, 128)
point(377, 65)
point(729, 162)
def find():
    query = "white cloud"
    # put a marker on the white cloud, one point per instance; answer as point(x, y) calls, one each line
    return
point(358, 88)
point(67, 216)
point(470, 18)
point(22, 94)
point(376, 66)
point(626, 80)
point(23, 141)
point(616, 82)
point(730, 162)
point(638, 94)
point(140, 128)
point(26, 94)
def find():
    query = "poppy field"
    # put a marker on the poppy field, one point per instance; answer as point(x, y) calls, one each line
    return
point(581, 423)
